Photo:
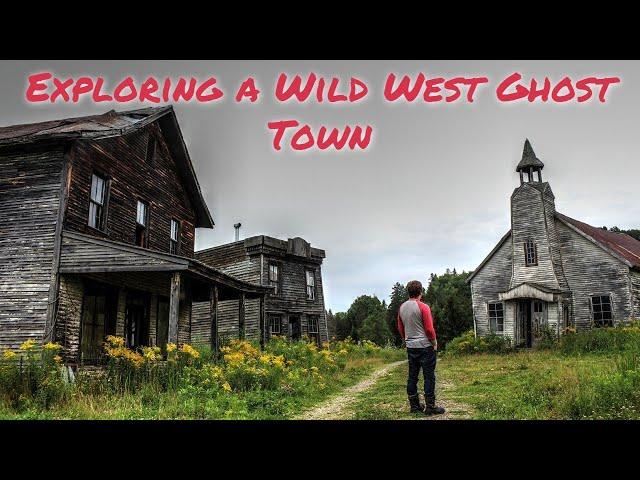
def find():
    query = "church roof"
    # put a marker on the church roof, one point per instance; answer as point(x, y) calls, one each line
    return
point(529, 158)
point(622, 244)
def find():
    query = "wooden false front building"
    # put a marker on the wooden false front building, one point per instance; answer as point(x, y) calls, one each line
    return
point(550, 272)
point(97, 226)
point(295, 308)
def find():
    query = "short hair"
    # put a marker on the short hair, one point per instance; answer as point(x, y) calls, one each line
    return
point(414, 288)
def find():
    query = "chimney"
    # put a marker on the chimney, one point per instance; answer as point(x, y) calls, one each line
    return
point(237, 227)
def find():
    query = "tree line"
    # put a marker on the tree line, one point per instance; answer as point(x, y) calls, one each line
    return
point(369, 318)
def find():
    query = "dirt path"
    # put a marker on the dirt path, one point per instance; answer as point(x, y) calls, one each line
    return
point(336, 407)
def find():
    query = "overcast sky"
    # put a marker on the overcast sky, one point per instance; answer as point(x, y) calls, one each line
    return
point(431, 192)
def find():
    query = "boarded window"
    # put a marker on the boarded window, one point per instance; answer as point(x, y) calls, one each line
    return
point(275, 324)
point(311, 285)
point(496, 317)
point(602, 314)
point(142, 220)
point(174, 247)
point(274, 277)
point(151, 149)
point(98, 320)
point(530, 253)
point(97, 202)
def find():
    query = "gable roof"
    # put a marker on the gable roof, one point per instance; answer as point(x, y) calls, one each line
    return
point(529, 158)
point(623, 246)
point(111, 124)
point(488, 257)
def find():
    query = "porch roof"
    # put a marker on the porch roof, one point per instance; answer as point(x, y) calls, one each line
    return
point(530, 290)
point(81, 253)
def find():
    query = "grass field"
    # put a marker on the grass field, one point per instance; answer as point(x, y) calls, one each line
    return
point(519, 385)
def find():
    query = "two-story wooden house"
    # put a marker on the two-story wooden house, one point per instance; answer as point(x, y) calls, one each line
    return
point(551, 271)
point(294, 309)
point(97, 225)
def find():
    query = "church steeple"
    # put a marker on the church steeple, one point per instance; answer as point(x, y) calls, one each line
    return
point(529, 164)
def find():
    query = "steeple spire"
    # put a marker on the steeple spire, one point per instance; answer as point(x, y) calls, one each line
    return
point(529, 164)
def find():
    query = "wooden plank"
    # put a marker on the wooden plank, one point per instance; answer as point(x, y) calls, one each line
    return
point(174, 307)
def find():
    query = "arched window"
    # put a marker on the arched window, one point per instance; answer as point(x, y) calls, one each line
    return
point(530, 253)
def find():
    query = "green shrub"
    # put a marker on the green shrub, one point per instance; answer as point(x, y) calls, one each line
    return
point(467, 343)
point(546, 338)
point(620, 338)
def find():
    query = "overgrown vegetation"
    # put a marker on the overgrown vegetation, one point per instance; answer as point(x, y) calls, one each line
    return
point(244, 382)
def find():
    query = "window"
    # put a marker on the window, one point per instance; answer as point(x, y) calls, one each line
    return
point(97, 202)
point(530, 253)
point(274, 278)
point(175, 237)
point(275, 325)
point(313, 324)
point(496, 317)
point(151, 149)
point(98, 320)
point(142, 220)
point(311, 285)
point(601, 311)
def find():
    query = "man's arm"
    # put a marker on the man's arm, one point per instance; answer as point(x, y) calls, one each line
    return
point(427, 323)
point(401, 327)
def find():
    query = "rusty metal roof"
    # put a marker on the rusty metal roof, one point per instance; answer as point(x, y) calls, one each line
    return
point(622, 244)
point(111, 124)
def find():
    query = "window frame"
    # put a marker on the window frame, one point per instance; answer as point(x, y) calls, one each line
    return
point(529, 244)
point(102, 221)
point(145, 226)
point(174, 245)
point(277, 283)
point(308, 285)
point(602, 322)
point(310, 320)
point(275, 318)
point(489, 312)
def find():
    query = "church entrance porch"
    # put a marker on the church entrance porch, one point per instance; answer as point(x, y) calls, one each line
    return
point(531, 320)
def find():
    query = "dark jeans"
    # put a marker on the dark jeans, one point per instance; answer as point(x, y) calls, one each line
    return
point(425, 359)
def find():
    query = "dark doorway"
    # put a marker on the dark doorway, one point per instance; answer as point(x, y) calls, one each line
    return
point(294, 327)
point(524, 321)
point(162, 323)
point(99, 312)
point(136, 319)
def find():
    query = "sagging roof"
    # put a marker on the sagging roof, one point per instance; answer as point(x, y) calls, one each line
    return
point(292, 246)
point(622, 244)
point(81, 253)
point(111, 124)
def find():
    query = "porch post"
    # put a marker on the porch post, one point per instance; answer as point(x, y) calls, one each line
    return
point(262, 325)
point(213, 315)
point(174, 307)
point(241, 316)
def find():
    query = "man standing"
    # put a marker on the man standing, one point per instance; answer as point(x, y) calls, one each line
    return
point(415, 324)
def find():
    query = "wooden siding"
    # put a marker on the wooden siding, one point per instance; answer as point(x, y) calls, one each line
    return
point(592, 271)
point(30, 185)
point(634, 279)
point(122, 160)
point(528, 220)
point(494, 278)
point(234, 260)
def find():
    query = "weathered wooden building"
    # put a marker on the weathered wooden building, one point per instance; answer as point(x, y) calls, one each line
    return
point(294, 309)
point(97, 225)
point(550, 271)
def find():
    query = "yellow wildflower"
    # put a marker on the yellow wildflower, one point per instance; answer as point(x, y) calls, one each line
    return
point(278, 361)
point(189, 350)
point(28, 345)
point(226, 387)
point(171, 347)
point(9, 355)
point(115, 341)
point(52, 346)
point(57, 359)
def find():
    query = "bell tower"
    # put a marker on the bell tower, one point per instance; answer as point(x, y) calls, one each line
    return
point(536, 248)
point(529, 165)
